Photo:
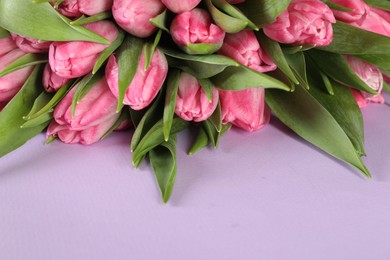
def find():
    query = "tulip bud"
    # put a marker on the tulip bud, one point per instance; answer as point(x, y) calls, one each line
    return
point(195, 33)
point(192, 103)
point(245, 109)
point(77, 58)
point(245, 48)
point(180, 6)
point(359, 10)
point(51, 81)
point(76, 8)
point(95, 114)
point(11, 83)
point(303, 22)
point(146, 83)
point(134, 15)
point(30, 45)
point(7, 45)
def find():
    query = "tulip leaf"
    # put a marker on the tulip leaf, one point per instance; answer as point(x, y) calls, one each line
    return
point(90, 19)
point(128, 57)
point(160, 21)
point(24, 61)
point(200, 66)
point(380, 60)
point(201, 141)
point(170, 102)
point(212, 133)
point(150, 48)
point(36, 122)
point(227, 23)
point(4, 33)
point(216, 118)
point(39, 103)
point(207, 87)
point(327, 83)
point(122, 118)
point(382, 4)
point(335, 66)
point(297, 63)
point(263, 12)
point(233, 11)
point(11, 118)
point(201, 48)
point(42, 22)
point(301, 112)
point(242, 77)
point(163, 161)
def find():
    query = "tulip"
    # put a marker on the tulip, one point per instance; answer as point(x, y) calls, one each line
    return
point(95, 114)
point(359, 10)
point(77, 58)
point(30, 45)
point(134, 15)
point(51, 81)
point(245, 109)
point(7, 45)
point(306, 22)
point(245, 48)
point(371, 75)
point(195, 33)
point(180, 6)
point(192, 103)
point(76, 8)
point(146, 83)
point(11, 83)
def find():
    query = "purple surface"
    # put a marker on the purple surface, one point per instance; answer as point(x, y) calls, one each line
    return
point(266, 195)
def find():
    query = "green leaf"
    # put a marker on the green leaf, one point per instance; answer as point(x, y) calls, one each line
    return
point(211, 131)
point(160, 21)
point(42, 22)
point(297, 63)
point(11, 118)
point(163, 161)
point(24, 61)
point(382, 4)
point(150, 48)
point(4, 33)
point(309, 119)
point(207, 87)
point(327, 83)
point(201, 48)
point(123, 117)
point(170, 102)
point(233, 11)
point(239, 78)
point(200, 66)
point(216, 118)
point(90, 19)
point(36, 122)
point(201, 141)
point(128, 59)
point(380, 60)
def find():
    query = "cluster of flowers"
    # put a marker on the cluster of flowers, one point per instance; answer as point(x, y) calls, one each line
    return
point(191, 27)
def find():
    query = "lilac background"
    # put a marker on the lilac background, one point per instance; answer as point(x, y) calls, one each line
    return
point(266, 195)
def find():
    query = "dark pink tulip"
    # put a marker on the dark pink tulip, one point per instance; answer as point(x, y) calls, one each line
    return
point(134, 15)
point(192, 103)
point(30, 45)
point(196, 27)
point(180, 6)
point(51, 81)
point(306, 22)
point(77, 58)
point(76, 8)
point(146, 83)
point(372, 76)
point(95, 114)
point(11, 83)
point(245, 109)
point(7, 45)
point(244, 48)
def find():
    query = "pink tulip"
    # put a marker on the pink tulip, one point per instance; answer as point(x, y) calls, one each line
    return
point(77, 58)
point(146, 83)
point(76, 8)
point(95, 114)
point(196, 27)
point(245, 109)
point(180, 6)
point(306, 22)
point(7, 45)
point(192, 103)
point(359, 10)
point(11, 83)
point(371, 75)
point(134, 15)
point(244, 48)
point(51, 81)
point(30, 45)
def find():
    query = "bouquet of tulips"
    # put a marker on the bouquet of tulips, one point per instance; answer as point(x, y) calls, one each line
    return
point(82, 69)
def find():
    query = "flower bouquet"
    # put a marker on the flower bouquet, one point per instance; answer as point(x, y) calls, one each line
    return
point(81, 69)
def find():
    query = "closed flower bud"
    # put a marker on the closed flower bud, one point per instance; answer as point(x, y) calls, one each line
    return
point(359, 10)
point(7, 45)
point(180, 6)
point(195, 33)
point(51, 81)
point(30, 45)
point(146, 83)
point(95, 114)
point(76, 8)
point(77, 58)
point(306, 22)
point(192, 103)
point(134, 15)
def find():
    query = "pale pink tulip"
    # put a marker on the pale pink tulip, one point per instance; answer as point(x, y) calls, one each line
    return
point(245, 109)
point(245, 48)
point(11, 83)
point(180, 6)
point(95, 114)
point(76, 8)
point(30, 45)
point(146, 83)
point(192, 103)
point(7, 45)
point(77, 58)
point(51, 81)
point(371, 75)
point(196, 27)
point(307, 22)
point(134, 15)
